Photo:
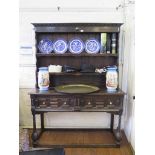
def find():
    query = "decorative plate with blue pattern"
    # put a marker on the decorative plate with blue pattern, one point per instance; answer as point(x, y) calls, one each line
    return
point(45, 46)
point(76, 46)
point(60, 46)
point(92, 46)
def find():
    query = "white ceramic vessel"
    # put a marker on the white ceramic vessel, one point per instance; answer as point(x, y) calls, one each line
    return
point(111, 78)
point(43, 78)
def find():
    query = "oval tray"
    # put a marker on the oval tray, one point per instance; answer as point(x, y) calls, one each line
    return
point(76, 89)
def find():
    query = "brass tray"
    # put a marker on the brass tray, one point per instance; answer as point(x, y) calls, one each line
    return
point(76, 89)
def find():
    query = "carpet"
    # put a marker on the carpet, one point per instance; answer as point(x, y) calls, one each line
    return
point(23, 140)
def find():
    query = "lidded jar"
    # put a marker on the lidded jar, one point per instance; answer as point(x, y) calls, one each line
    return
point(111, 78)
point(43, 78)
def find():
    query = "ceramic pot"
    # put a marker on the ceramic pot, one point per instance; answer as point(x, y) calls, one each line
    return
point(111, 78)
point(43, 78)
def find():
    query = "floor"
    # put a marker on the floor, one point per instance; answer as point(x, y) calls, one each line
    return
point(83, 137)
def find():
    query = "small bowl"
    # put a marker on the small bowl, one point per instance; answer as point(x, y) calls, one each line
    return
point(55, 68)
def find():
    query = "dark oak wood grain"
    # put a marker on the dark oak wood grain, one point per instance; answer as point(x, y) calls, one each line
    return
point(77, 27)
point(52, 101)
point(85, 137)
point(69, 31)
point(67, 54)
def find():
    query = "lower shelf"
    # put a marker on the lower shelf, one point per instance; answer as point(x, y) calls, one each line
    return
point(76, 138)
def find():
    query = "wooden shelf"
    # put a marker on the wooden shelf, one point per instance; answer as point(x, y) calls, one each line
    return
point(77, 73)
point(76, 55)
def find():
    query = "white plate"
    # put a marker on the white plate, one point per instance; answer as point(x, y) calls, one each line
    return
point(92, 46)
point(76, 46)
point(45, 46)
point(60, 46)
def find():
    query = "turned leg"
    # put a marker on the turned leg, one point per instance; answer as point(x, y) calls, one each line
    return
point(112, 122)
point(42, 121)
point(34, 133)
point(117, 132)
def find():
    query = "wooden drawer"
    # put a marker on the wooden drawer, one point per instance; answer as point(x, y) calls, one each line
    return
point(56, 103)
point(101, 102)
point(80, 103)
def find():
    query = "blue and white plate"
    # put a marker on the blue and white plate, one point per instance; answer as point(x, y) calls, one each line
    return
point(45, 46)
point(92, 46)
point(76, 46)
point(60, 46)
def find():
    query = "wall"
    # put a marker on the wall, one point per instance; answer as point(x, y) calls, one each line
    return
point(128, 73)
point(37, 11)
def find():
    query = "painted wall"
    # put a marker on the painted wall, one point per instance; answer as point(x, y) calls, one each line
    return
point(129, 73)
point(41, 11)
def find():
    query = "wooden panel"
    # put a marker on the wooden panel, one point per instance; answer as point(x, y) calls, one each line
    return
point(80, 103)
point(103, 92)
point(66, 36)
point(69, 36)
point(99, 62)
point(61, 137)
point(78, 137)
point(101, 102)
point(98, 81)
point(77, 27)
point(68, 32)
point(76, 55)
point(54, 103)
point(76, 61)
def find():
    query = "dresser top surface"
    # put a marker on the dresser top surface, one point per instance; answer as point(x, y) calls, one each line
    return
point(53, 92)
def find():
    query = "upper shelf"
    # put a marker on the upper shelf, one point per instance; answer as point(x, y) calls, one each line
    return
point(76, 55)
point(76, 73)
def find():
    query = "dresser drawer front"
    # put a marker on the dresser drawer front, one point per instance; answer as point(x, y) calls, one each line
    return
point(57, 103)
point(113, 102)
point(101, 102)
point(80, 103)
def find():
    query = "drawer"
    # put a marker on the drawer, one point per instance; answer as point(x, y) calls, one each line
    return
point(82, 103)
point(103, 102)
point(54, 103)
point(87, 103)
point(113, 102)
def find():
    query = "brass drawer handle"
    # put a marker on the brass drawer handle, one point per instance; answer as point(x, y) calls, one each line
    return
point(110, 103)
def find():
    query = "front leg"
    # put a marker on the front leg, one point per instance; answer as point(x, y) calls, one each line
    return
point(37, 133)
point(117, 132)
point(34, 133)
point(42, 121)
point(112, 122)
